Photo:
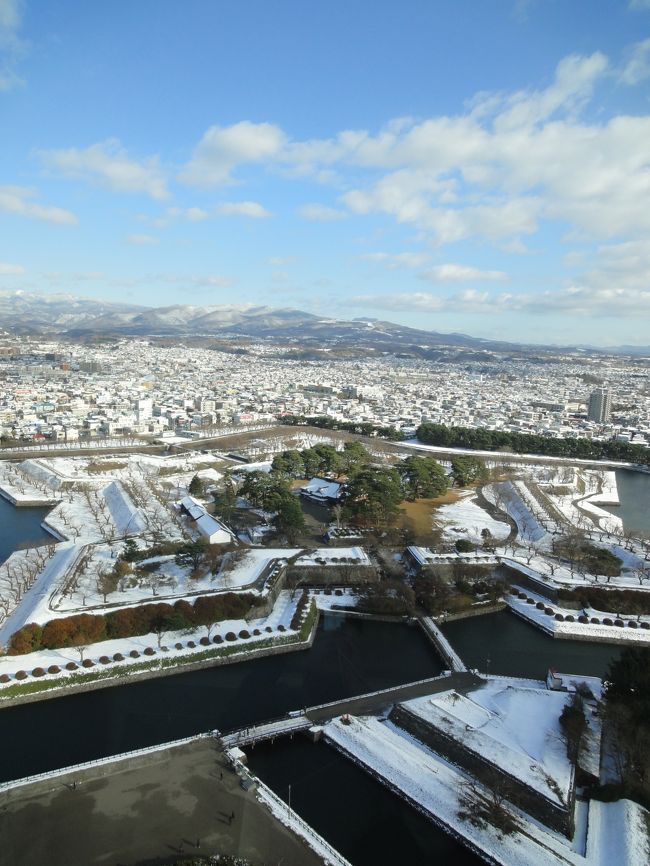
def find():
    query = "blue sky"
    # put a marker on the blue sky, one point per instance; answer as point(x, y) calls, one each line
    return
point(476, 166)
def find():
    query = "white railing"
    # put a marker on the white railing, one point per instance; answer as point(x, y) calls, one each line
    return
point(100, 762)
point(450, 655)
point(286, 814)
point(256, 733)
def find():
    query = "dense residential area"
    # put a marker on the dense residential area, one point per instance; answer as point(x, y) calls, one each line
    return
point(62, 392)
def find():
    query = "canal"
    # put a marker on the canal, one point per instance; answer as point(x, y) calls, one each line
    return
point(367, 823)
point(634, 497)
point(360, 817)
point(20, 527)
point(511, 647)
point(349, 657)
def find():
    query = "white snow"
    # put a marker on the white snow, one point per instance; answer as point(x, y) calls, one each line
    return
point(618, 834)
point(280, 615)
point(466, 519)
point(548, 623)
point(434, 786)
point(516, 728)
point(126, 517)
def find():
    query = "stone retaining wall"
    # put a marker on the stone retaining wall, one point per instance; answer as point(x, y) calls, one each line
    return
point(549, 813)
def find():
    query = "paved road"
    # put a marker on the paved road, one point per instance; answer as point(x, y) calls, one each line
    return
point(144, 816)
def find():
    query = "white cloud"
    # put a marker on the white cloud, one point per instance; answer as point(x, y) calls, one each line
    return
point(57, 277)
point(143, 240)
point(251, 209)
point(223, 148)
point(393, 261)
point(18, 200)
point(639, 4)
point(10, 15)
point(321, 212)
point(282, 261)
point(460, 273)
point(196, 281)
point(580, 301)
point(12, 47)
point(7, 270)
point(108, 163)
point(191, 214)
point(637, 65)
point(491, 172)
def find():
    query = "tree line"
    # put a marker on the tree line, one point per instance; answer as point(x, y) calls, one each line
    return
point(83, 629)
point(327, 423)
point(480, 439)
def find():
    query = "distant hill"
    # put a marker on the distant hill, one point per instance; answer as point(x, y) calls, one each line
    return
point(75, 317)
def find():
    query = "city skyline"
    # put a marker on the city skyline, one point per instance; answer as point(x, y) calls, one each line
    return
point(463, 168)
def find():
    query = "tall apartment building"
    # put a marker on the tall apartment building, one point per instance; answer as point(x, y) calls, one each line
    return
point(600, 405)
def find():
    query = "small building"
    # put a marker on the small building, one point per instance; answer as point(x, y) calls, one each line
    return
point(208, 526)
point(322, 490)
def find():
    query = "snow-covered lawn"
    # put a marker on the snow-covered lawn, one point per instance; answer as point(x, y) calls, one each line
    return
point(337, 598)
point(509, 497)
point(466, 519)
point(280, 615)
point(334, 556)
point(513, 727)
point(584, 631)
point(435, 786)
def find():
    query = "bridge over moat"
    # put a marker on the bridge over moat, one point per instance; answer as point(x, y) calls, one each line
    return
point(366, 704)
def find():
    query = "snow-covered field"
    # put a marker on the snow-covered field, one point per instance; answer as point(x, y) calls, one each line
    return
point(466, 519)
point(435, 787)
point(586, 631)
point(281, 615)
point(516, 728)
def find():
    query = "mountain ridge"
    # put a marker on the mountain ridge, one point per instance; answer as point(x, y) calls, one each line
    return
point(69, 315)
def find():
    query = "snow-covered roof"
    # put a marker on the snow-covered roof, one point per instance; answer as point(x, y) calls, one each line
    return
point(321, 488)
point(205, 523)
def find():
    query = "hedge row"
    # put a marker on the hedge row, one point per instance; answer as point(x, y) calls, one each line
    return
point(482, 439)
point(85, 628)
point(300, 611)
point(37, 684)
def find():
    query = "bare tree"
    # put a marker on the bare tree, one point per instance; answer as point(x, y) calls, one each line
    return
point(486, 803)
point(106, 582)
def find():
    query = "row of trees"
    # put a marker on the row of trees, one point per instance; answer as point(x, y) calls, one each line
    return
point(322, 459)
point(528, 443)
point(84, 629)
point(327, 423)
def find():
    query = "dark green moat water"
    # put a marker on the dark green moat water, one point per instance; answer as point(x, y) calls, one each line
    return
point(516, 649)
point(20, 527)
point(358, 815)
point(634, 497)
